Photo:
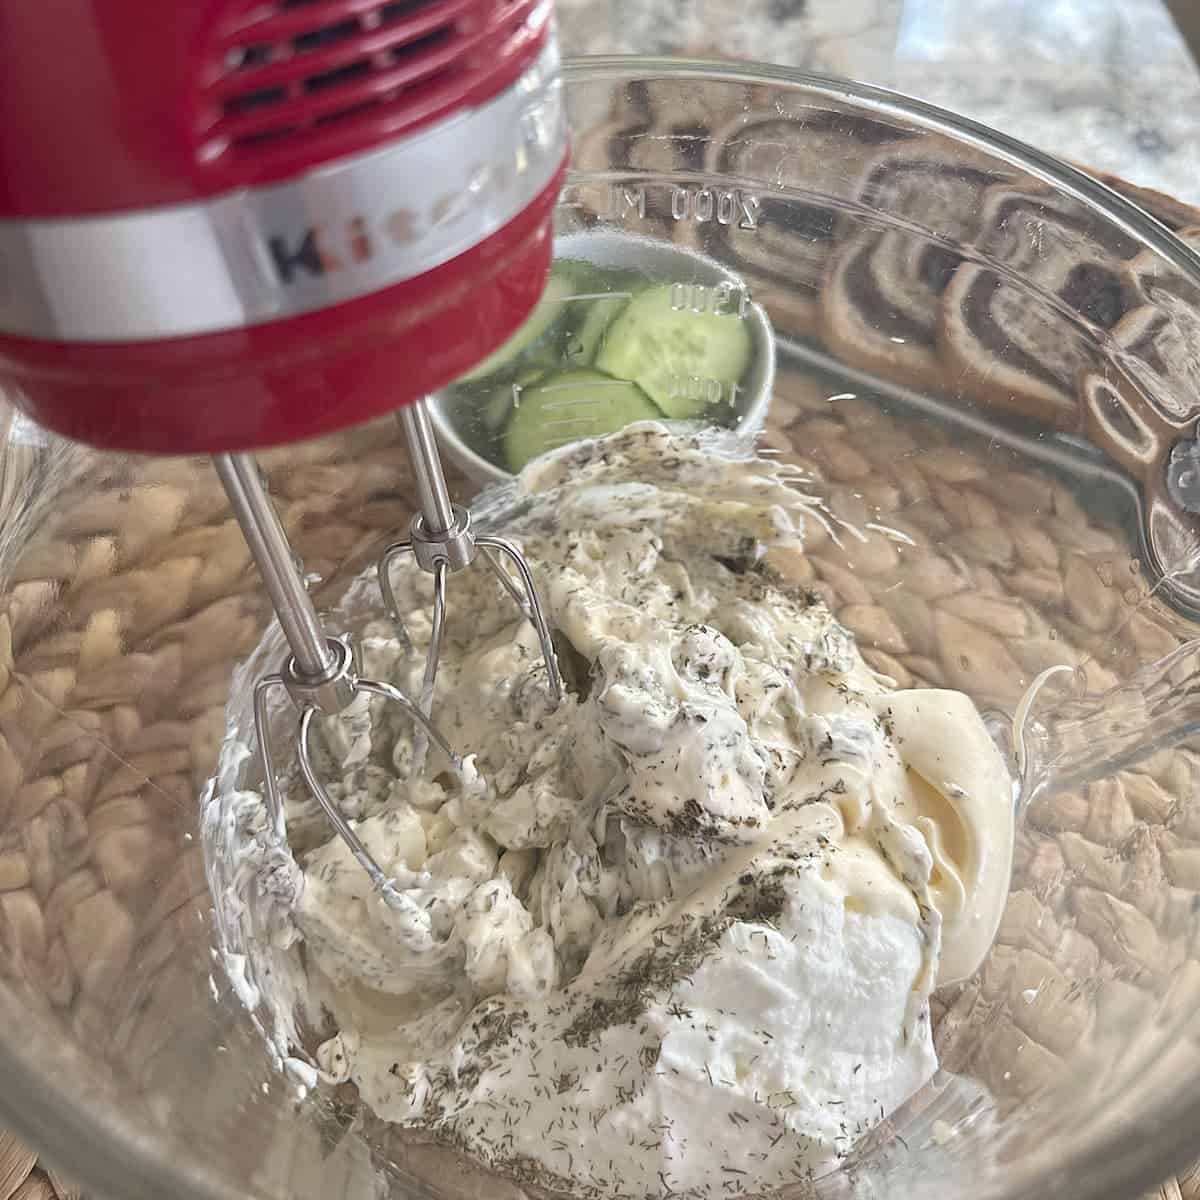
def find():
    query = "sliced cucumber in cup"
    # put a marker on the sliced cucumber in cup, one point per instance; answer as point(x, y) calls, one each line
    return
point(664, 349)
point(562, 284)
point(495, 411)
point(584, 342)
point(570, 405)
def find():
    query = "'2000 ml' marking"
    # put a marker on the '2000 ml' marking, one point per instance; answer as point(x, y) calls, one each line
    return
point(688, 202)
point(726, 207)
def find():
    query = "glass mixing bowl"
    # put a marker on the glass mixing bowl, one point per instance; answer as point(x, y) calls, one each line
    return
point(987, 360)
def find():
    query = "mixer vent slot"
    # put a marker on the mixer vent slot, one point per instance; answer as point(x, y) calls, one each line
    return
point(296, 67)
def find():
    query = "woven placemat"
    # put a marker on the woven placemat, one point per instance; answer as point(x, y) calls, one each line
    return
point(23, 1177)
point(136, 597)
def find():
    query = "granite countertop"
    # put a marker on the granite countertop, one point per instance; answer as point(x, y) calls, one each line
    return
point(1107, 84)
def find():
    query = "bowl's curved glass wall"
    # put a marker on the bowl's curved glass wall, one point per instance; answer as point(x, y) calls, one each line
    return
point(990, 366)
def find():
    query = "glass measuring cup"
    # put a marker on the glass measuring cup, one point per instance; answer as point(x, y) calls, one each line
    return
point(607, 268)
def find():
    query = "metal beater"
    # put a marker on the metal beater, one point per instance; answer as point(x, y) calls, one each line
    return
point(321, 674)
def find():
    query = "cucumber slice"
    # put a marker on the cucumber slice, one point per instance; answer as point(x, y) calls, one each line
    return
point(495, 411)
point(661, 348)
point(568, 406)
point(585, 340)
point(589, 278)
point(563, 282)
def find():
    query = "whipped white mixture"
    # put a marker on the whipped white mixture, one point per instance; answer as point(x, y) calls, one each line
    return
point(674, 936)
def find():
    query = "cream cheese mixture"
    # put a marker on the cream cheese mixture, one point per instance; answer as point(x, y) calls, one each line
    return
point(676, 936)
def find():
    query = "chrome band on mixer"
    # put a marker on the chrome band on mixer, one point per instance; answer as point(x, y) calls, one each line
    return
point(371, 221)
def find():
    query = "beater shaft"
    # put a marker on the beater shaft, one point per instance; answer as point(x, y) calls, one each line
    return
point(242, 480)
point(433, 496)
point(321, 676)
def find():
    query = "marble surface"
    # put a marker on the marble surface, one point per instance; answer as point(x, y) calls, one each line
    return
point(1108, 83)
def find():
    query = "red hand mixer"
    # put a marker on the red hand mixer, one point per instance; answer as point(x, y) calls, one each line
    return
point(229, 224)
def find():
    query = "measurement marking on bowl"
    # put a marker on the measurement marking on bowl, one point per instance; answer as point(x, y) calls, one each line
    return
point(570, 423)
point(571, 404)
point(713, 299)
point(725, 206)
point(518, 388)
point(599, 296)
point(570, 387)
point(700, 204)
point(623, 200)
point(706, 389)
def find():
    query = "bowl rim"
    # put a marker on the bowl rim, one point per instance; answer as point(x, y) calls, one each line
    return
point(118, 1158)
